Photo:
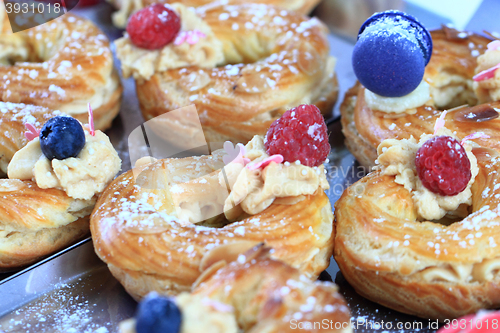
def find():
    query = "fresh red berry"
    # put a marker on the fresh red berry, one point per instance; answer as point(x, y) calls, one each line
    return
point(299, 135)
point(443, 166)
point(153, 27)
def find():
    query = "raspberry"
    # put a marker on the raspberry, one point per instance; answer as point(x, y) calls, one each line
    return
point(299, 135)
point(153, 27)
point(443, 166)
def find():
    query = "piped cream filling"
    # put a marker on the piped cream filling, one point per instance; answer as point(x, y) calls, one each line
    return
point(397, 158)
point(142, 64)
point(252, 191)
point(80, 177)
point(418, 97)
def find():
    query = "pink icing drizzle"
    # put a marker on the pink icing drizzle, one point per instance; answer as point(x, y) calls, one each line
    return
point(31, 132)
point(217, 306)
point(262, 164)
point(234, 154)
point(91, 121)
point(473, 136)
point(440, 122)
point(191, 37)
point(486, 74)
point(495, 45)
point(490, 72)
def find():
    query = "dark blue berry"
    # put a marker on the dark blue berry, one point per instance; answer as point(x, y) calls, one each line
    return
point(62, 137)
point(392, 51)
point(157, 314)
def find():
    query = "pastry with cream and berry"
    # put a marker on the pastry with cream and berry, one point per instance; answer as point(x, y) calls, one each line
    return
point(53, 184)
point(128, 7)
point(245, 292)
point(408, 76)
point(242, 65)
point(63, 65)
point(154, 230)
point(420, 233)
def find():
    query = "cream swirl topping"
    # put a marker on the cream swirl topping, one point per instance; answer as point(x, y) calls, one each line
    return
point(207, 52)
point(487, 81)
point(252, 190)
point(397, 158)
point(80, 177)
point(404, 104)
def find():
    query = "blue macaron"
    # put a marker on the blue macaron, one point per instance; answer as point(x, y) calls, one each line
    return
point(391, 53)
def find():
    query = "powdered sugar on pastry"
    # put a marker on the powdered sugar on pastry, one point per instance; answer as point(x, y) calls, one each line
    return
point(397, 158)
point(205, 53)
point(81, 177)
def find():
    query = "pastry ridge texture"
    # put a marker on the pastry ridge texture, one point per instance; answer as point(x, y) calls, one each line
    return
point(421, 268)
point(127, 7)
point(63, 65)
point(277, 64)
point(146, 249)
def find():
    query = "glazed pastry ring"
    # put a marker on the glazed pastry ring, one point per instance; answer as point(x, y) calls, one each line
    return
point(451, 68)
point(34, 222)
point(258, 294)
point(147, 249)
point(63, 65)
point(279, 62)
point(422, 268)
point(128, 7)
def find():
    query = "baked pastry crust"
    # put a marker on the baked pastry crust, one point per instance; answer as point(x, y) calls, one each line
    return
point(287, 63)
point(127, 7)
point(12, 127)
point(22, 248)
point(147, 249)
point(62, 65)
point(261, 294)
point(422, 268)
point(449, 73)
point(34, 222)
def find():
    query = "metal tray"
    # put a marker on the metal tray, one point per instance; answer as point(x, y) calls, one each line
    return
point(73, 291)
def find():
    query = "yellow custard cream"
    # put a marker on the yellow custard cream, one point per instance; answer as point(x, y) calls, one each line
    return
point(80, 177)
point(488, 89)
point(397, 158)
point(199, 314)
point(252, 191)
point(405, 104)
point(142, 64)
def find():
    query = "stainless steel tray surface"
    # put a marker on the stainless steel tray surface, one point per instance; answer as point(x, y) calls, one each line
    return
point(73, 291)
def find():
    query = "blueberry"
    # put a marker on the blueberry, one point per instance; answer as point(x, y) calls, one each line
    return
point(392, 51)
point(157, 314)
point(62, 137)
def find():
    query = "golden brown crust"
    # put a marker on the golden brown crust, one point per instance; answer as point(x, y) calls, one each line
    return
point(266, 294)
point(128, 7)
point(422, 268)
point(238, 102)
point(260, 294)
point(36, 222)
point(12, 127)
point(65, 64)
point(365, 128)
point(147, 249)
point(18, 248)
